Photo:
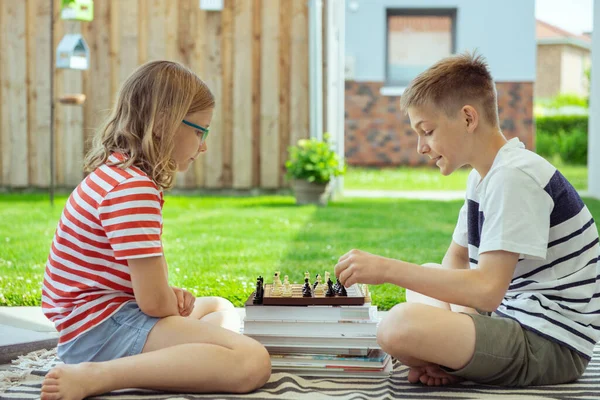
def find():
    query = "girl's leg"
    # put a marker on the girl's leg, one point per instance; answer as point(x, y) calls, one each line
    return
point(181, 354)
point(217, 311)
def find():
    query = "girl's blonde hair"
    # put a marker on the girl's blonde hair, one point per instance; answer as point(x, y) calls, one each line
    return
point(150, 106)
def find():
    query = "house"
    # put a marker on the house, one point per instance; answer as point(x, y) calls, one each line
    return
point(388, 42)
point(562, 60)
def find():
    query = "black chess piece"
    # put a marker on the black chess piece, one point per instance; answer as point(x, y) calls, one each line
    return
point(306, 290)
point(260, 291)
point(342, 291)
point(330, 292)
point(336, 287)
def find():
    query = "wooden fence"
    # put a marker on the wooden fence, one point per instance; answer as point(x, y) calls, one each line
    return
point(253, 54)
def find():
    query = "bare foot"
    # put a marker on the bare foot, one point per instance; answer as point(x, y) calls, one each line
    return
point(431, 375)
point(71, 382)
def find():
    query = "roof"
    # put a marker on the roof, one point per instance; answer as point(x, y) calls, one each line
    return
point(546, 33)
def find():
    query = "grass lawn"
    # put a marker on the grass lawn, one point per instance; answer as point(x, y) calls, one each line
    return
point(429, 178)
point(218, 246)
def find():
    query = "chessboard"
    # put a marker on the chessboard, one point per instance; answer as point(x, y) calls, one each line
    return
point(355, 297)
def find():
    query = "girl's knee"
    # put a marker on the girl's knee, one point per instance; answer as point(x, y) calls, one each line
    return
point(255, 368)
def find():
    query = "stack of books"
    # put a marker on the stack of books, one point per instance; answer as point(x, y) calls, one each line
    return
point(319, 340)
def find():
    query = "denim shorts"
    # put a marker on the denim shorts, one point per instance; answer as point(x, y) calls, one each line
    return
point(121, 335)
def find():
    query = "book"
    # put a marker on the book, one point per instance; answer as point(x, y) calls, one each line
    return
point(375, 359)
point(380, 373)
point(310, 313)
point(312, 328)
point(326, 342)
point(340, 351)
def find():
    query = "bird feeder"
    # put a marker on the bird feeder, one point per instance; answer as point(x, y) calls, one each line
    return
point(73, 52)
point(80, 10)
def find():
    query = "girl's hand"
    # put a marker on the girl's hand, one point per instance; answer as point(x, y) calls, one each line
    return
point(358, 266)
point(185, 301)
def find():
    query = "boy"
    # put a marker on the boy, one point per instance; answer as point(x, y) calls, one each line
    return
point(515, 300)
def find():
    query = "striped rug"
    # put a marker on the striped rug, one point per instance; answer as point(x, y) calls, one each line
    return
point(286, 386)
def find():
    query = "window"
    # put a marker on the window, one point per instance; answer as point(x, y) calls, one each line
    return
point(416, 39)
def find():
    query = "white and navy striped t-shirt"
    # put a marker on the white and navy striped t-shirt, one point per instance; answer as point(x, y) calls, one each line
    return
point(525, 205)
point(112, 216)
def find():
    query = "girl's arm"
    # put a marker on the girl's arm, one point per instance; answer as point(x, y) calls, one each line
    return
point(151, 287)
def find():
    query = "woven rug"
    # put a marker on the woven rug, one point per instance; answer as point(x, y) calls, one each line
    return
point(28, 372)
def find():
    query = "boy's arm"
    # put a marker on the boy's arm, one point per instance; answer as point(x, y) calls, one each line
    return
point(456, 257)
point(151, 288)
point(482, 288)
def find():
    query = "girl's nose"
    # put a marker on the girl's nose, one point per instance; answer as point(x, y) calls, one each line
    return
point(203, 147)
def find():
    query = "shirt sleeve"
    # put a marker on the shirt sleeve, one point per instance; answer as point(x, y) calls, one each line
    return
point(517, 215)
point(131, 215)
point(460, 235)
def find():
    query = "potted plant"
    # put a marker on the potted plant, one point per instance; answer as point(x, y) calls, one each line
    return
point(311, 166)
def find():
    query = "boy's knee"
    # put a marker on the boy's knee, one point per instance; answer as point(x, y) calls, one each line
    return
point(394, 330)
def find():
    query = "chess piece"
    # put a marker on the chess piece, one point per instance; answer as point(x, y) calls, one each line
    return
point(337, 285)
point(365, 289)
point(286, 280)
point(307, 275)
point(259, 293)
point(306, 291)
point(342, 291)
point(319, 290)
point(317, 281)
point(330, 292)
point(326, 276)
point(287, 288)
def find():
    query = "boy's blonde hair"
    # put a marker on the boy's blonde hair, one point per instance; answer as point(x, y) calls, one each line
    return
point(452, 83)
point(150, 106)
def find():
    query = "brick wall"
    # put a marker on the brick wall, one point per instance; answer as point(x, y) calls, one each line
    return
point(378, 134)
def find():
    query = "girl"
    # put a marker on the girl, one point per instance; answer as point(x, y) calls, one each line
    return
point(106, 289)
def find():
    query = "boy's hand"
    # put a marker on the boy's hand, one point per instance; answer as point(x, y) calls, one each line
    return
point(185, 301)
point(358, 266)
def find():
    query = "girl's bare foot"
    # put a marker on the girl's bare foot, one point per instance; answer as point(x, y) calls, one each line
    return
point(431, 375)
point(71, 382)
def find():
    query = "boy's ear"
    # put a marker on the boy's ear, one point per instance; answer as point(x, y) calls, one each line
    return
point(471, 118)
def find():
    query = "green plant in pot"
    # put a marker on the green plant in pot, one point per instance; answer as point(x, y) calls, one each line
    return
point(311, 166)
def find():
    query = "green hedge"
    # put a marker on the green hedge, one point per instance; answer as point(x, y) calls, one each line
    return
point(565, 136)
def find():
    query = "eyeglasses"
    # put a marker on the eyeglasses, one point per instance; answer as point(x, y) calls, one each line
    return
point(200, 128)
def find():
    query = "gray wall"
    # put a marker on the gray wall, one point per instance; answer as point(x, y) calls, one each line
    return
point(502, 30)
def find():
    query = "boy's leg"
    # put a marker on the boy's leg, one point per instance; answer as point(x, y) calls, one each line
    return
point(423, 337)
point(420, 370)
point(181, 354)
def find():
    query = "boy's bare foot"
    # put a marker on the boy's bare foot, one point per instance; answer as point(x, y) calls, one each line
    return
point(431, 375)
point(71, 382)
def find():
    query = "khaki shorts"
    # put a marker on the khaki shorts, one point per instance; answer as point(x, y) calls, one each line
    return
point(506, 354)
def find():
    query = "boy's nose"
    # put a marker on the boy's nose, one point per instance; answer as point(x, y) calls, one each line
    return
point(422, 148)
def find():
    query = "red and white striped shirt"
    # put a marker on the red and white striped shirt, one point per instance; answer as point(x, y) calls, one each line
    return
point(112, 216)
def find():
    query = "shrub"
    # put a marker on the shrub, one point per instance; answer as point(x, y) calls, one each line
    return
point(565, 136)
point(313, 160)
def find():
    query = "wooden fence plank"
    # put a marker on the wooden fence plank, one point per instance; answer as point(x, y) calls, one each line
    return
point(284, 89)
point(14, 94)
point(97, 79)
point(4, 141)
point(39, 46)
point(115, 45)
point(58, 90)
point(242, 96)
point(227, 94)
point(128, 38)
point(256, 93)
point(72, 141)
point(156, 45)
point(142, 31)
point(269, 104)
point(214, 72)
point(198, 48)
point(299, 118)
